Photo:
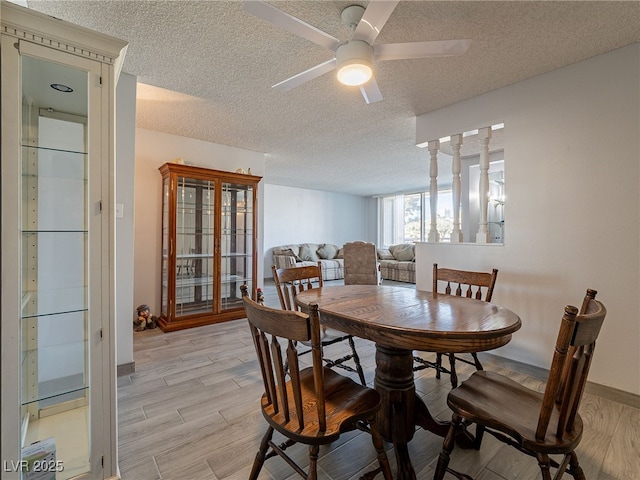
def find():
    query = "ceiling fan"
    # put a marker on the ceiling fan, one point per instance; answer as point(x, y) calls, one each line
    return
point(354, 58)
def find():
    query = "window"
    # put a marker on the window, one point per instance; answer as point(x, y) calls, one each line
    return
point(413, 225)
point(406, 218)
point(444, 216)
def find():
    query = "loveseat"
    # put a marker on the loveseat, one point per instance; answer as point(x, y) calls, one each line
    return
point(329, 255)
point(398, 262)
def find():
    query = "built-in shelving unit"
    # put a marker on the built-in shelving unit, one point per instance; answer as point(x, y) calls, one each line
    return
point(57, 299)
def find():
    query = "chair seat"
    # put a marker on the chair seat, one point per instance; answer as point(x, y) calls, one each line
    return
point(346, 403)
point(505, 405)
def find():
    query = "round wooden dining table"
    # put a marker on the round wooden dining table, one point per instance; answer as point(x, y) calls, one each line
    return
point(399, 320)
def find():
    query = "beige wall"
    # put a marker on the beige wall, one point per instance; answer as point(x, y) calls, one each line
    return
point(125, 136)
point(152, 150)
point(572, 174)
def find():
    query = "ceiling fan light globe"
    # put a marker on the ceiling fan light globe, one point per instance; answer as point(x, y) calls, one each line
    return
point(354, 61)
point(354, 73)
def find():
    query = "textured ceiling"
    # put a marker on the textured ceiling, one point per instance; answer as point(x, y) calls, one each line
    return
point(208, 67)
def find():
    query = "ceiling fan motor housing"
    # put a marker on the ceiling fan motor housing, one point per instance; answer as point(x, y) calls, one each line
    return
point(352, 54)
point(351, 16)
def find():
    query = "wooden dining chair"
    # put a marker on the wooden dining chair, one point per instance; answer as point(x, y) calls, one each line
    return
point(460, 283)
point(535, 423)
point(361, 266)
point(316, 404)
point(291, 281)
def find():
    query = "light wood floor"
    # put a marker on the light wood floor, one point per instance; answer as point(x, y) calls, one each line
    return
point(190, 411)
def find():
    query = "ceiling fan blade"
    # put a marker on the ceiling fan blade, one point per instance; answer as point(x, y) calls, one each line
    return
point(290, 23)
point(373, 19)
point(305, 76)
point(441, 48)
point(370, 91)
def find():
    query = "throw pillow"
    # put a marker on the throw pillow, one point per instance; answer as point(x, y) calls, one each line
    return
point(287, 250)
point(309, 252)
point(289, 253)
point(340, 253)
point(404, 252)
point(385, 254)
point(328, 251)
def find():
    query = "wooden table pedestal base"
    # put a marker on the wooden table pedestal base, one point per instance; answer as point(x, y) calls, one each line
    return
point(403, 409)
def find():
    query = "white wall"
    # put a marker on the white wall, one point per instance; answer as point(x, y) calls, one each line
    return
point(61, 277)
point(297, 215)
point(153, 149)
point(125, 147)
point(572, 174)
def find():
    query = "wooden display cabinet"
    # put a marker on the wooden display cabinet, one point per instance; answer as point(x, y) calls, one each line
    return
point(209, 227)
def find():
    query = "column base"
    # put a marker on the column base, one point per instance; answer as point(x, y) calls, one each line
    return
point(483, 237)
point(456, 237)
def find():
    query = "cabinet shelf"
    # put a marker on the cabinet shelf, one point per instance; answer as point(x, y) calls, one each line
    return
point(63, 395)
point(231, 212)
point(182, 282)
point(25, 144)
point(182, 256)
point(53, 302)
point(53, 391)
point(234, 279)
point(192, 206)
point(185, 282)
point(35, 232)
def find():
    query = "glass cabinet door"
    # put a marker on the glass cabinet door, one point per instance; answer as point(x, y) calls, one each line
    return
point(55, 277)
point(236, 243)
point(166, 238)
point(194, 259)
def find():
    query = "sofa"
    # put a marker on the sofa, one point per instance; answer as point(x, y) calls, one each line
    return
point(328, 254)
point(398, 262)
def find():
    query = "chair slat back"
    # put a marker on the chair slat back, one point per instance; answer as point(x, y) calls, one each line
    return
point(271, 329)
point(464, 283)
point(293, 280)
point(360, 263)
point(572, 357)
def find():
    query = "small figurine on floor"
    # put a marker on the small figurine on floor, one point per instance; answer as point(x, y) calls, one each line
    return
point(145, 320)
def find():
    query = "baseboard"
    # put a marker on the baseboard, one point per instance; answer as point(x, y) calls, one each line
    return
point(126, 368)
point(614, 394)
point(610, 393)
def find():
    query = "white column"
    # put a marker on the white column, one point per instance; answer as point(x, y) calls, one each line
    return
point(484, 136)
point(456, 168)
point(434, 146)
